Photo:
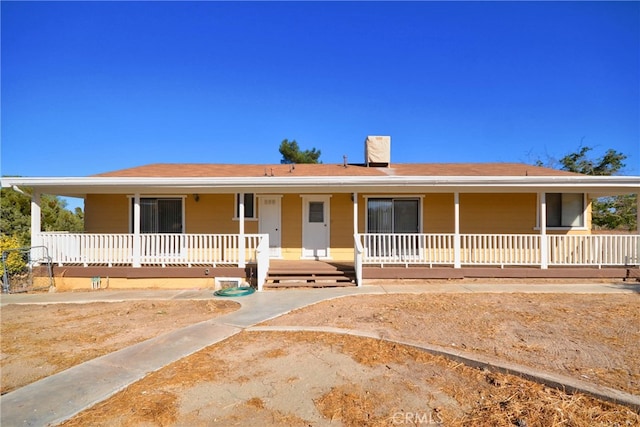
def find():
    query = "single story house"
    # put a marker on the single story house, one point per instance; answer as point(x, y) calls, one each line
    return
point(184, 225)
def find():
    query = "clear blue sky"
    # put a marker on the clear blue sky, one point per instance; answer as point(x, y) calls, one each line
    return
point(89, 87)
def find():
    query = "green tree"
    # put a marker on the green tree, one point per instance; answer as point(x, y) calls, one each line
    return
point(56, 216)
point(609, 164)
point(615, 213)
point(291, 153)
point(609, 213)
point(15, 215)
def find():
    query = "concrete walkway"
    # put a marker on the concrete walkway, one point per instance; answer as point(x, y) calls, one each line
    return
point(61, 396)
point(413, 286)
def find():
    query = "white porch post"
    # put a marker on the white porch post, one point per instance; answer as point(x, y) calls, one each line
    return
point(638, 225)
point(544, 244)
point(355, 213)
point(637, 213)
point(241, 243)
point(36, 225)
point(357, 257)
point(456, 230)
point(137, 246)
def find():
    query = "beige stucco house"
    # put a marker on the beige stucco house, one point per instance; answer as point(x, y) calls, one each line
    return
point(183, 225)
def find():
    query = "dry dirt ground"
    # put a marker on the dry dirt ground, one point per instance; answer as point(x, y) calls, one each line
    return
point(318, 379)
point(589, 336)
point(41, 340)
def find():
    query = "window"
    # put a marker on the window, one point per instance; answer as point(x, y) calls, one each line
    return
point(316, 211)
point(393, 215)
point(249, 206)
point(565, 209)
point(159, 215)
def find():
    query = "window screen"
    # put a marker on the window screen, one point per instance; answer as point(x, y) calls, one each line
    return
point(393, 216)
point(405, 216)
point(249, 208)
point(159, 215)
point(554, 209)
point(380, 215)
point(565, 209)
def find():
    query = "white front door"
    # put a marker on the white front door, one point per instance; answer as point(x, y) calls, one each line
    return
point(269, 223)
point(315, 227)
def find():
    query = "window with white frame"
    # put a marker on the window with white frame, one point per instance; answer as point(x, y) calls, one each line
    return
point(565, 209)
point(249, 206)
point(159, 215)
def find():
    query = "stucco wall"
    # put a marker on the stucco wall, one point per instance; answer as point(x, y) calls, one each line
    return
point(85, 283)
point(214, 213)
point(291, 215)
point(498, 213)
point(341, 227)
point(479, 213)
point(438, 213)
point(106, 213)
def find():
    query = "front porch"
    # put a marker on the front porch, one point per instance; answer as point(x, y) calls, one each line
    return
point(376, 256)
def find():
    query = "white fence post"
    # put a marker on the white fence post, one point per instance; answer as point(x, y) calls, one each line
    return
point(358, 255)
point(457, 247)
point(262, 261)
point(544, 242)
point(137, 244)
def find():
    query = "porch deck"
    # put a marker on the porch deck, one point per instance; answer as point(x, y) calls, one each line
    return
point(309, 273)
point(307, 269)
point(496, 272)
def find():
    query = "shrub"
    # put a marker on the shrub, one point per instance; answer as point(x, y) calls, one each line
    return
point(14, 262)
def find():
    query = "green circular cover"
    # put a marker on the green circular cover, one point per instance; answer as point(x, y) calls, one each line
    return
point(235, 292)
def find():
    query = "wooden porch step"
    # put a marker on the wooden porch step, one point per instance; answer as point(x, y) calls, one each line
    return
point(308, 278)
point(294, 284)
point(305, 271)
point(309, 274)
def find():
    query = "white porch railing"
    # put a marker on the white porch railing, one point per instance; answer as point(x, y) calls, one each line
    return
point(500, 249)
point(190, 249)
point(155, 249)
point(78, 248)
point(386, 248)
point(369, 248)
point(495, 249)
point(594, 250)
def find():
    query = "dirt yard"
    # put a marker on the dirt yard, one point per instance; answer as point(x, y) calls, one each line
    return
point(591, 337)
point(304, 378)
point(40, 340)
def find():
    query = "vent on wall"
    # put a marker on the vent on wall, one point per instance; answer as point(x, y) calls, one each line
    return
point(377, 151)
point(227, 282)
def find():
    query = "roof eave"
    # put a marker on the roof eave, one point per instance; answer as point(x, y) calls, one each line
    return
point(79, 186)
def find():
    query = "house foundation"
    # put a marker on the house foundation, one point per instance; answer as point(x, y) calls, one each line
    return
point(417, 272)
point(71, 278)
